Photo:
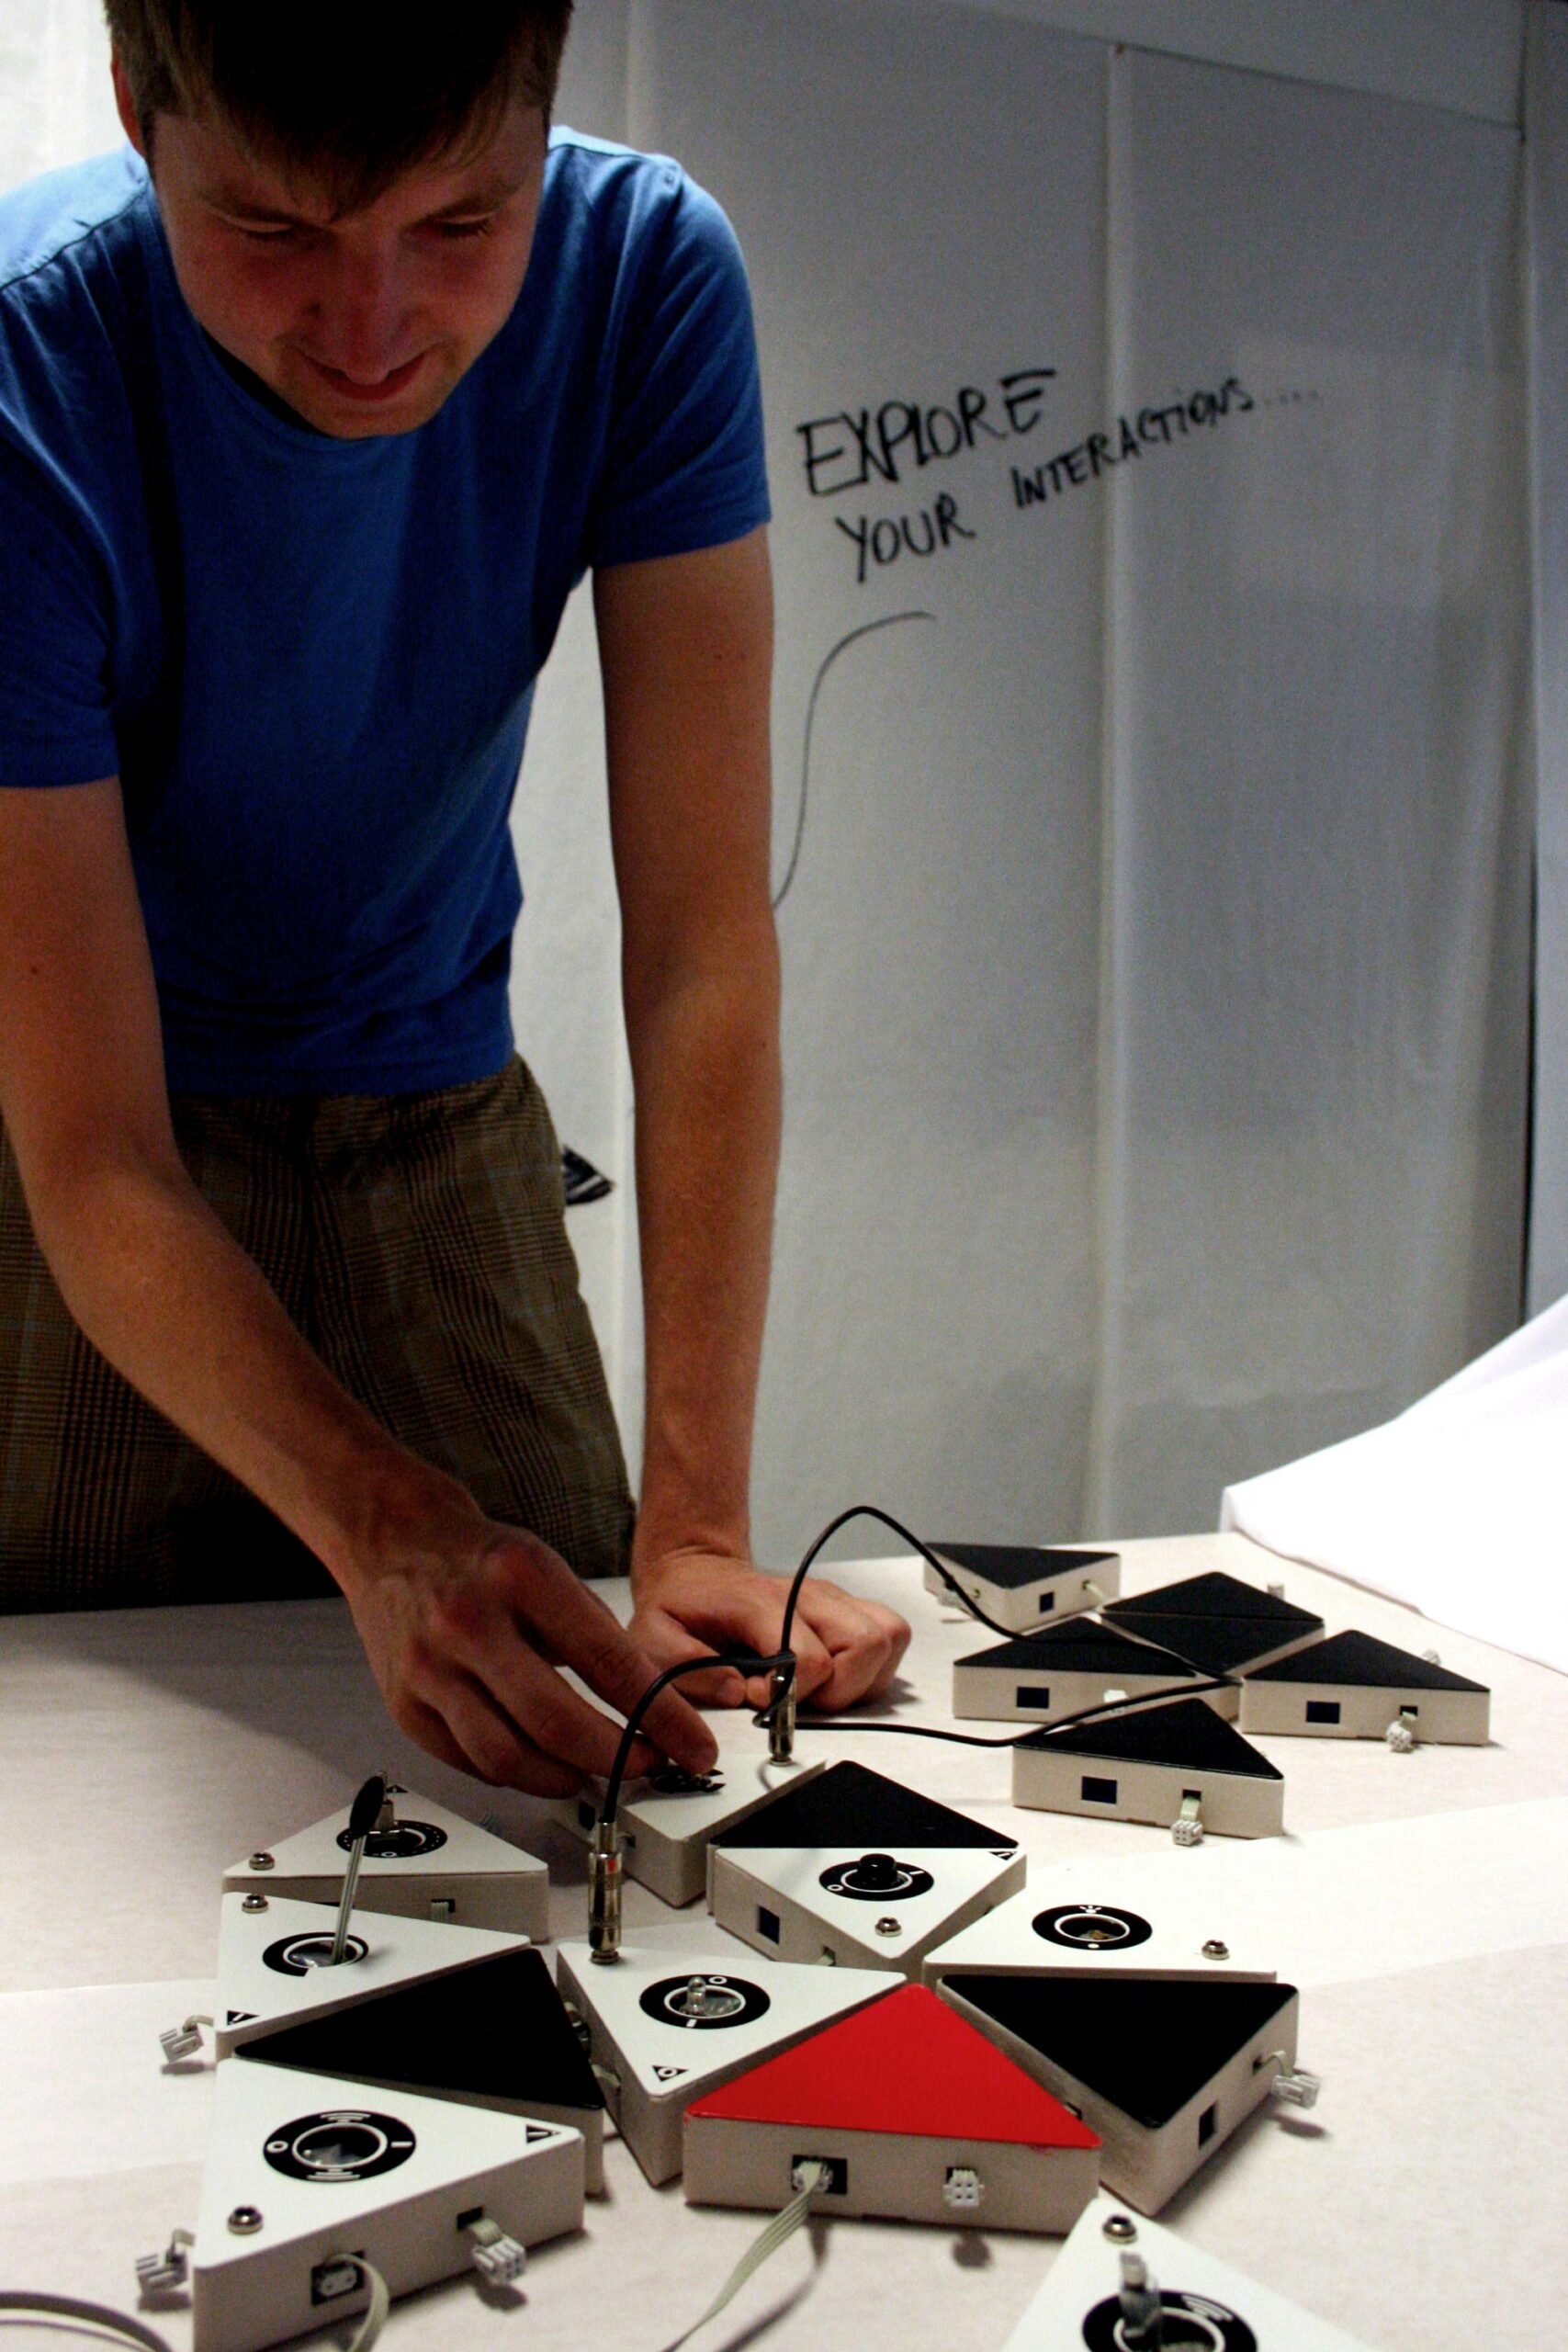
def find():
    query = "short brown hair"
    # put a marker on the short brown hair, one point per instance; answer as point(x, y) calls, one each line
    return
point(343, 95)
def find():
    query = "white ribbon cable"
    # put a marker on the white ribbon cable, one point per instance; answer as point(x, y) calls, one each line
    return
point(782, 2225)
point(97, 2316)
point(375, 2318)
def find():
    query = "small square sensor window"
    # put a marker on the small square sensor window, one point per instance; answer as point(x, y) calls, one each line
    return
point(767, 1922)
point(1047, 1601)
point(1206, 2123)
point(1095, 1791)
point(1323, 1711)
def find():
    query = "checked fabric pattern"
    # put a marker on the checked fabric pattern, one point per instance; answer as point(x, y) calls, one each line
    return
point(419, 1243)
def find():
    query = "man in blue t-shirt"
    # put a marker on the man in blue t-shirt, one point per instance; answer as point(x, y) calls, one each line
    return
point(315, 403)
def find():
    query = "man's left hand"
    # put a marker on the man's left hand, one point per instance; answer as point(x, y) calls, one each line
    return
point(690, 1602)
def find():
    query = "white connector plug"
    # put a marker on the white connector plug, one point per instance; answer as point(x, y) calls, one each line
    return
point(494, 2255)
point(963, 2189)
point(1187, 1829)
point(183, 2040)
point(166, 2273)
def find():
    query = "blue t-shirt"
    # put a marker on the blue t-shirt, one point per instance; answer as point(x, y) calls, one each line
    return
point(309, 660)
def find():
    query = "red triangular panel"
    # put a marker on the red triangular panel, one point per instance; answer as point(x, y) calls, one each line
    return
point(908, 2063)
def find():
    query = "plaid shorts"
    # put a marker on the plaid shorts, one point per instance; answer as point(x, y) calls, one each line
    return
point(419, 1242)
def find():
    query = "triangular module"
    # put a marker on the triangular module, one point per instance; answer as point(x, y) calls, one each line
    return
point(1018, 1585)
point(430, 1863)
point(859, 1871)
point(1184, 1733)
point(673, 2018)
point(851, 1805)
point(1162, 1763)
point(918, 2117)
point(1353, 1686)
point(1094, 1918)
point(273, 1962)
point(1070, 1667)
point(1163, 2070)
point(1205, 2302)
point(1223, 1626)
point(496, 2035)
point(668, 1818)
point(323, 2177)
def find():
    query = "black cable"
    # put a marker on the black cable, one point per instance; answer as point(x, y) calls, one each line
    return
point(1016, 1740)
point(741, 1660)
point(870, 1510)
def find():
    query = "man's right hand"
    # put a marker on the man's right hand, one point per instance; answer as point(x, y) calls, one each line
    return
point(460, 1633)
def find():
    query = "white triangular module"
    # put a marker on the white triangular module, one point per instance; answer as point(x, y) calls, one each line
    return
point(1025, 1585)
point(668, 1819)
point(856, 1870)
point(1163, 2070)
point(1202, 2302)
point(1088, 1918)
point(273, 1964)
point(307, 2176)
point(429, 1864)
point(670, 2019)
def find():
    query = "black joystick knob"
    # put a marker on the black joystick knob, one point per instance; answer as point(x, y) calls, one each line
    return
point(877, 1872)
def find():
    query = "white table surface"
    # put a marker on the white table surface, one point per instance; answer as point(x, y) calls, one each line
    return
point(1421, 1903)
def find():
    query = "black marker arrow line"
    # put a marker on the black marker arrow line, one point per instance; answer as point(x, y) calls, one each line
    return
point(866, 628)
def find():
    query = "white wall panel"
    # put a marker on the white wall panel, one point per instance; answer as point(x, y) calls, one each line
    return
point(1315, 1041)
point(918, 197)
point(1548, 135)
point(1463, 55)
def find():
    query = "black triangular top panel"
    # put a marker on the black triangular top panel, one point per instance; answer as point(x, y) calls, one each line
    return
point(1008, 1565)
point(1361, 1659)
point(1078, 1646)
point(1216, 1594)
point(1150, 2048)
point(498, 2028)
point(851, 1807)
point(1183, 1732)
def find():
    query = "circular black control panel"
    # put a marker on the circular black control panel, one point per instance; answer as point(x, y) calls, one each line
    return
point(673, 1783)
point(1188, 2323)
point(1092, 1926)
point(404, 1842)
point(876, 1878)
point(705, 2002)
point(340, 2144)
point(296, 1955)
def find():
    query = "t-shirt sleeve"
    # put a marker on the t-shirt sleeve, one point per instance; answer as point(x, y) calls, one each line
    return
point(55, 725)
point(683, 463)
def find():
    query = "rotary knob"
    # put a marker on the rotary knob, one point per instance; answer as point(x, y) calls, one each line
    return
point(876, 1873)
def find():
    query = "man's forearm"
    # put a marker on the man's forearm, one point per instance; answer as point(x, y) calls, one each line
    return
point(165, 1293)
point(704, 1035)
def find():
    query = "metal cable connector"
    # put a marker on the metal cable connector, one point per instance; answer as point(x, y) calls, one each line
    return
point(605, 1876)
point(780, 1713)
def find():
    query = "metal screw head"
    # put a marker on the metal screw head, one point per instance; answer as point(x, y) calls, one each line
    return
point(1117, 2227)
point(262, 1862)
point(890, 1927)
point(255, 1902)
point(1215, 1949)
point(244, 2220)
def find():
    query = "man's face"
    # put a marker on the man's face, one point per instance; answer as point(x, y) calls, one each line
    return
point(365, 322)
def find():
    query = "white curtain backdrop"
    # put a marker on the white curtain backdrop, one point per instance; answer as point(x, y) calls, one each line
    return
point(1155, 922)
